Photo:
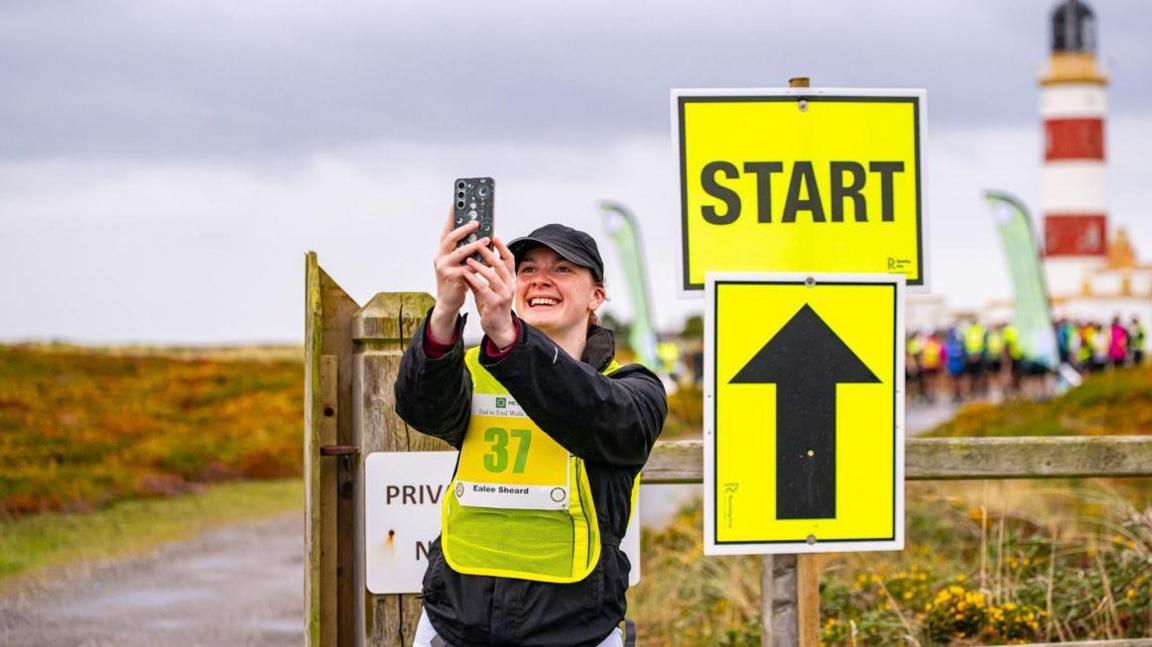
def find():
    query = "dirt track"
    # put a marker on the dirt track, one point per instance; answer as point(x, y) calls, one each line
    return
point(241, 586)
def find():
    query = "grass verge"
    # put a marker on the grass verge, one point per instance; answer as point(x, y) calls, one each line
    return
point(33, 543)
point(1116, 402)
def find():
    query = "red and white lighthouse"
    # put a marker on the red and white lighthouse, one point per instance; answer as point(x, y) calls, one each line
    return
point(1073, 105)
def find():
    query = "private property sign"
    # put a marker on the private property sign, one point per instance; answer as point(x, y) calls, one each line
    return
point(803, 417)
point(403, 492)
point(800, 180)
point(403, 495)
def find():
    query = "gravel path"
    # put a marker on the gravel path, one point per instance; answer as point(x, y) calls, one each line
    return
point(921, 418)
point(241, 585)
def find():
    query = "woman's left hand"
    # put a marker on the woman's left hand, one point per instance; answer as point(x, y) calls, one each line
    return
point(493, 286)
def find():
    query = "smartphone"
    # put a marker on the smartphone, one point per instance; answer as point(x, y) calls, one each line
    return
point(473, 200)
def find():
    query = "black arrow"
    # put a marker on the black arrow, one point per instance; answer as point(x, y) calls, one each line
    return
point(805, 360)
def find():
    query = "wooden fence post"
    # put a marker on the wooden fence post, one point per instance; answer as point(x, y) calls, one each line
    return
point(808, 599)
point(329, 612)
point(381, 331)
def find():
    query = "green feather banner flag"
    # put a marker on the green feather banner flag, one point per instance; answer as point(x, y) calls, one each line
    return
point(1033, 317)
point(625, 233)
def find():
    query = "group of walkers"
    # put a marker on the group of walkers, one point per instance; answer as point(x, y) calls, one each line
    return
point(971, 360)
point(1089, 346)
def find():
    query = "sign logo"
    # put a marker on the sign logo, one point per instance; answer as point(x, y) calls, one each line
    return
point(800, 180)
point(501, 403)
point(803, 441)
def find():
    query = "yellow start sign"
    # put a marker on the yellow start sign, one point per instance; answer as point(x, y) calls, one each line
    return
point(800, 180)
point(803, 413)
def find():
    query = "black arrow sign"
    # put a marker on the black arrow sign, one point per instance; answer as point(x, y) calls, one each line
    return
point(805, 360)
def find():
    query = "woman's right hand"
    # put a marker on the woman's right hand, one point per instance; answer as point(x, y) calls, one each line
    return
point(451, 288)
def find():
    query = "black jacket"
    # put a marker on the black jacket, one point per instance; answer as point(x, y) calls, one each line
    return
point(610, 422)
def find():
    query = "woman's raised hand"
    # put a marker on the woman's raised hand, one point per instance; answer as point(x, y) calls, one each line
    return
point(493, 285)
point(451, 273)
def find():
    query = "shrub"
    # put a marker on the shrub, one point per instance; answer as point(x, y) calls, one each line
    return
point(955, 612)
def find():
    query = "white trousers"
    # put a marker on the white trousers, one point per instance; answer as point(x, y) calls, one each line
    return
point(426, 636)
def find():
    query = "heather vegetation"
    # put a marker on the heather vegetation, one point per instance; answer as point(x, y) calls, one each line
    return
point(685, 414)
point(81, 429)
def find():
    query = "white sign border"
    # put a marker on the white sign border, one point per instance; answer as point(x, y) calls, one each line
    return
point(710, 545)
point(919, 93)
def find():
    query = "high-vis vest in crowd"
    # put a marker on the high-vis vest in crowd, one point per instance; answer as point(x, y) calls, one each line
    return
point(520, 505)
point(914, 347)
point(932, 353)
point(1012, 341)
point(974, 339)
point(995, 344)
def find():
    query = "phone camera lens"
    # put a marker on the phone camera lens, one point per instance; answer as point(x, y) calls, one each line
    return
point(459, 204)
point(460, 185)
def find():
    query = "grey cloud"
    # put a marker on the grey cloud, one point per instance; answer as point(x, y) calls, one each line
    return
point(188, 81)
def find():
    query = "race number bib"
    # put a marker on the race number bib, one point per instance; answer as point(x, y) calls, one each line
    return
point(508, 462)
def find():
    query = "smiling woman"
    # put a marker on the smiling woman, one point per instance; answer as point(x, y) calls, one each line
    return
point(559, 283)
point(552, 434)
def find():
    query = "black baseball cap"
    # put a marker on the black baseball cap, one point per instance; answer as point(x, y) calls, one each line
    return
point(573, 244)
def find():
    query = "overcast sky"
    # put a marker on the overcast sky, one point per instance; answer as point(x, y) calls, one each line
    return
point(164, 166)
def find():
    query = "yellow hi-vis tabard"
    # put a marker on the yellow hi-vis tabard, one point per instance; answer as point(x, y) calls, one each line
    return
point(520, 504)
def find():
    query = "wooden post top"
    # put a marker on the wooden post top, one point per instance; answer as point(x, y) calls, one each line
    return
point(390, 316)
